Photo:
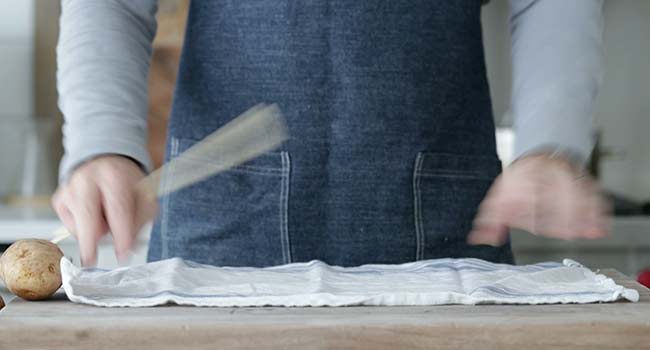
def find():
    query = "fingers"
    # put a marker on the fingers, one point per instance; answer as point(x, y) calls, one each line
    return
point(495, 235)
point(544, 197)
point(594, 213)
point(119, 207)
point(89, 220)
point(99, 196)
point(489, 225)
point(59, 201)
point(82, 217)
point(496, 212)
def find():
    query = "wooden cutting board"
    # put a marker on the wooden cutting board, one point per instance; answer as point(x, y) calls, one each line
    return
point(60, 324)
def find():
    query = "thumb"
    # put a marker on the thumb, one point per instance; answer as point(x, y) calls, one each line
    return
point(89, 224)
point(491, 224)
point(495, 235)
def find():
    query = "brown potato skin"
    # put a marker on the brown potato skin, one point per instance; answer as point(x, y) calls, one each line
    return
point(2, 303)
point(30, 268)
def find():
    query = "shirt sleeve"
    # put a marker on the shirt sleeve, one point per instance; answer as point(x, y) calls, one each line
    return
point(557, 70)
point(103, 57)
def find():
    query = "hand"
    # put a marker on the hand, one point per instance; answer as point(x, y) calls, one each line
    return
point(542, 195)
point(100, 197)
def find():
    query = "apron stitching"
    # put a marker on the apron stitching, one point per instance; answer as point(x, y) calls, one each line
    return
point(419, 236)
point(165, 221)
point(284, 199)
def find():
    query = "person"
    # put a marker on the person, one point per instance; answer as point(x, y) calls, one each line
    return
point(392, 151)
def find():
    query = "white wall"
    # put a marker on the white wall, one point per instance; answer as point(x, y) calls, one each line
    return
point(16, 87)
point(623, 109)
point(16, 51)
point(496, 39)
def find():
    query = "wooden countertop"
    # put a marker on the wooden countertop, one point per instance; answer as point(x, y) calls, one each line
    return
point(60, 324)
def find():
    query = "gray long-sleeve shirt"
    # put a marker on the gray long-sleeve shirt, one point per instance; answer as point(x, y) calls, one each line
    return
point(105, 48)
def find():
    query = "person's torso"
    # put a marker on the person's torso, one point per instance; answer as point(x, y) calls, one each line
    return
point(392, 137)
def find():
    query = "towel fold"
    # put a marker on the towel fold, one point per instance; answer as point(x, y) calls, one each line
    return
point(428, 282)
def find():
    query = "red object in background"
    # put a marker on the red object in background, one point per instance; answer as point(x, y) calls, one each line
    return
point(644, 278)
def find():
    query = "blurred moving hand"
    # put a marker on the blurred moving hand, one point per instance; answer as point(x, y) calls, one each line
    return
point(100, 198)
point(542, 195)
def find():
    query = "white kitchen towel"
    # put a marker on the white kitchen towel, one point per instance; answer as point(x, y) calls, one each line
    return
point(428, 282)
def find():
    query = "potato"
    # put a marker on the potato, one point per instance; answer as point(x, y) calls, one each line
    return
point(30, 268)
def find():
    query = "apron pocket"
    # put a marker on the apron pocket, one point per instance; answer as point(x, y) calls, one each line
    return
point(234, 218)
point(447, 191)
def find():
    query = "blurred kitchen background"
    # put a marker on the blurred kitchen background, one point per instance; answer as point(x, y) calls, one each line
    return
point(30, 138)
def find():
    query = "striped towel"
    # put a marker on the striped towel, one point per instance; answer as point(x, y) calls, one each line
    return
point(428, 282)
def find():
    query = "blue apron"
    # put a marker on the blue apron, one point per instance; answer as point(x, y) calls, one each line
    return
point(392, 138)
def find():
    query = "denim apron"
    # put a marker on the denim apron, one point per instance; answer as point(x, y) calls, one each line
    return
point(392, 138)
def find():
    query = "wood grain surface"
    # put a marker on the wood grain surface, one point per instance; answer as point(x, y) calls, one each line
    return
point(60, 324)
